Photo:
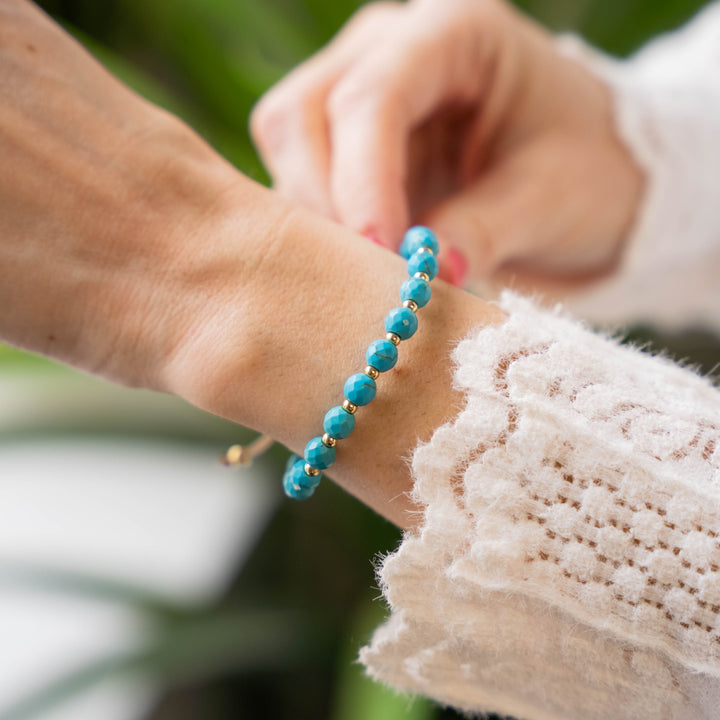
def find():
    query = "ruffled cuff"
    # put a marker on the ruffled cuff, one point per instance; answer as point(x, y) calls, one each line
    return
point(568, 563)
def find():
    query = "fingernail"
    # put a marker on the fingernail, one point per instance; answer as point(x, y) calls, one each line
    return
point(457, 262)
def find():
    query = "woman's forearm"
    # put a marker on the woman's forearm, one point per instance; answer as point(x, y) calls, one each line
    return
point(132, 250)
point(108, 210)
point(96, 188)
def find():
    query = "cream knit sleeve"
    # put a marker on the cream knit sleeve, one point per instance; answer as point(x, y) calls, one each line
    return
point(667, 103)
point(568, 564)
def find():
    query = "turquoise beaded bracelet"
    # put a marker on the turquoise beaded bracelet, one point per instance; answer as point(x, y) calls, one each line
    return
point(302, 475)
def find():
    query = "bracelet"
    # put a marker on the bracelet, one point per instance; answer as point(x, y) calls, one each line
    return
point(302, 475)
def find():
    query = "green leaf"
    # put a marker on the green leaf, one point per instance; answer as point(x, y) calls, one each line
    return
point(192, 650)
point(357, 696)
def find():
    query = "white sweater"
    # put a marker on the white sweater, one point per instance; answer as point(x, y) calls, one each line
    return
point(568, 565)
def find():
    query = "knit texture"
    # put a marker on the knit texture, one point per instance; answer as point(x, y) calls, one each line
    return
point(568, 563)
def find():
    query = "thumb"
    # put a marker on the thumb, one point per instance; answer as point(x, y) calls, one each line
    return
point(483, 226)
point(469, 247)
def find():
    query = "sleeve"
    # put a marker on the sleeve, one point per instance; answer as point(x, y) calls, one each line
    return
point(568, 561)
point(667, 110)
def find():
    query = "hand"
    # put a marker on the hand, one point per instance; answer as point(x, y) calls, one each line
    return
point(132, 250)
point(461, 115)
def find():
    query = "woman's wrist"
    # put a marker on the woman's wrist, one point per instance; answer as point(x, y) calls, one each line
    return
point(273, 350)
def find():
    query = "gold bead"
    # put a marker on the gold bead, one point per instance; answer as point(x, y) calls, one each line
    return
point(328, 441)
point(235, 455)
point(371, 372)
point(311, 471)
point(411, 304)
point(349, 407)
point(422, 276)
point(393, 338)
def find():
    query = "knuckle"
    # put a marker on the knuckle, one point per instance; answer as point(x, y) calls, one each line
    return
point(290, 106)
point(350, 94)
point(268, 121)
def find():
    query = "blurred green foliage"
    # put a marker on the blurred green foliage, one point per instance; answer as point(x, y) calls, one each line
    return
point(616, 26)
point(281, 643)
point(209, 60)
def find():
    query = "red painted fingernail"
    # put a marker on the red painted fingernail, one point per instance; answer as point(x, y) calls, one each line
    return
point(457, 262)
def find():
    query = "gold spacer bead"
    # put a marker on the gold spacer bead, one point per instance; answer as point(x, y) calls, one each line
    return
point(393, 338)
point(372, 372)
point(328, 441)
point(349, 407)
point(423, 276)
point(411, 304)
point(311, 471)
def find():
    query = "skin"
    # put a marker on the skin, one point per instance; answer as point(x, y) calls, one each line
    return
point(461, 115)
point(131, 250)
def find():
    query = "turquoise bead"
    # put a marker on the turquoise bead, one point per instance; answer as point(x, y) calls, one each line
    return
point(294, 492)
point(417, 237)
point(423, 261)
point(382, 355)
point(338, 423)
point(301, 479)
point(360, 389)
point(319, 455)
point(401, 321)
point(296, 483)
point(417, 290)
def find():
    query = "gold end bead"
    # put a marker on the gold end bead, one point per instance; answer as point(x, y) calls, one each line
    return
point(245, 454)
point(349, 407)
point(422, 276)
point(393, 338)
point(234, 456)
point(372, 372)
point(328, 441)
point(311, 471)
point(411, 304)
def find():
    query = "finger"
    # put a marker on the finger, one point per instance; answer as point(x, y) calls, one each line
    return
point(289, 129)
point(289, 124)
point(453, 266)
point(499, 218)
point(432, 59)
